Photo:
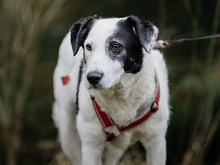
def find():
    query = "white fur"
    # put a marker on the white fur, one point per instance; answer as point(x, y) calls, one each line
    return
point(97, 60)
point(82, 136)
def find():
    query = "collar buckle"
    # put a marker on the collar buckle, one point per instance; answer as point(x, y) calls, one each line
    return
point(154, 107)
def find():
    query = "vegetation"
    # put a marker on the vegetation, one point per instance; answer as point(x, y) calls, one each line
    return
point(30, 34)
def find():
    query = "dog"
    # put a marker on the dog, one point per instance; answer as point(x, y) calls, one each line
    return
point(112, 93)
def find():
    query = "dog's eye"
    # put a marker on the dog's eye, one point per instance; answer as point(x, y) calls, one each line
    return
point(89, 47)
point(115, 46)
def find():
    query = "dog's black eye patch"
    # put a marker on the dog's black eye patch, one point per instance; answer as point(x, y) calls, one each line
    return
point(130, 55)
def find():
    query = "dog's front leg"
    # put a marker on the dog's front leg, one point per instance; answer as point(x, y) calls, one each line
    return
point(156, 151)
point(91, 154)
point(93, 140)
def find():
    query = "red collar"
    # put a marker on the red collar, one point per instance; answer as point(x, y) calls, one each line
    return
point(107, 122)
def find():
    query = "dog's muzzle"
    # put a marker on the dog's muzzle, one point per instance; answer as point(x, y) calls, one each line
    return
point(94, 77)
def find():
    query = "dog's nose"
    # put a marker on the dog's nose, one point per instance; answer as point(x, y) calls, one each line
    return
point(94, 77)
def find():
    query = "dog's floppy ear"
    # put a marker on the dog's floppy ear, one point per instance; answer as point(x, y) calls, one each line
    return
point(79, 31)
point(145, 31)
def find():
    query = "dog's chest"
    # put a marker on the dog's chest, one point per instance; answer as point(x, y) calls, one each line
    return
point(122, 111)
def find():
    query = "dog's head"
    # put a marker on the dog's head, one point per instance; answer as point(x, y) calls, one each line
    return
point(112, 47)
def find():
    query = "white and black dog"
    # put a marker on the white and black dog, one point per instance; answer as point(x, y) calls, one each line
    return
point(114, 91)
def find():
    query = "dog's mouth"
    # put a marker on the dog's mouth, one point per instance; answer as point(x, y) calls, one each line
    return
point(101, 86)
point(95, 87)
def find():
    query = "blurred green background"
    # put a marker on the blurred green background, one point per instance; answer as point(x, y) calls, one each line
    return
point(30, 34)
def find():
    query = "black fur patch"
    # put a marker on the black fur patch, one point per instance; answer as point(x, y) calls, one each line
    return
point(79, 32)
point(132, 35)
point(144, 31)
point(130, 52)
point(78, 86)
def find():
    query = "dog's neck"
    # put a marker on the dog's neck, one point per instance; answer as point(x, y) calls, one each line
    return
point(132, 93)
